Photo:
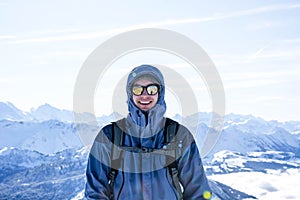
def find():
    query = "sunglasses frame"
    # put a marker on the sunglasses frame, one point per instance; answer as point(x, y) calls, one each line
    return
point(145, 87)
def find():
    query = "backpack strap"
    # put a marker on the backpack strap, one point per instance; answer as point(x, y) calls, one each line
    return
point(171, 149)
point(117, 141)
point(170, 139)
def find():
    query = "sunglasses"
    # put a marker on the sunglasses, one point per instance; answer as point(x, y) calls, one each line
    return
point(151, 89)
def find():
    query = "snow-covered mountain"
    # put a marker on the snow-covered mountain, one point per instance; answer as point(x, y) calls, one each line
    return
point(243, 140)
point(249, 123)
point(49, 130)
point(62, 175)
point(10, 112)
point(230, 162)
point(26, 174)
point(43, 113)
point(245, 123)
point(47, 112)
point(246, 133)
point(46, 137)
point(59, 176)
point(42, 155)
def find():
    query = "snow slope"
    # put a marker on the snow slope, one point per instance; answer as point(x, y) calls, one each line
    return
point(46, 134)
point(59, 176)
point(41, 154)
point(10, 112)
point(46, 137)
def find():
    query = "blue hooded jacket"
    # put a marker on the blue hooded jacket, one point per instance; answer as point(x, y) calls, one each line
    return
point(144, 177)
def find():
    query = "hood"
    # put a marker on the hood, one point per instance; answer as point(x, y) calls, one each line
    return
point(138, 116)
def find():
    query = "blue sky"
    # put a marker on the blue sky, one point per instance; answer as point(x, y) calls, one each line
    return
point(255, 46)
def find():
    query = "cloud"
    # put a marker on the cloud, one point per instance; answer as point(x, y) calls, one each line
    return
point(7, 37)
point(96, 34)
point(263, 25)
point(261, 74)
point(240, 80)
point(280, 50)
point(263, 9)
point(249, 84)
point(287, 50)
point(258, 52)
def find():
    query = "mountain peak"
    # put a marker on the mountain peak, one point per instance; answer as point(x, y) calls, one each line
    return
point(44, 107)
point(10, 112)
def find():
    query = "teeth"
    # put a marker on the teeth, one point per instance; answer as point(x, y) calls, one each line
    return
point(145, 102)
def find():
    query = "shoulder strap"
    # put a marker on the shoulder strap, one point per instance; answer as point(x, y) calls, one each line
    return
point(170, 133)
point(117, 140)
point(171, 127)
point(170, 139)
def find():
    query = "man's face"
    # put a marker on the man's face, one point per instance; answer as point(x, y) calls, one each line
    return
point(145, 101)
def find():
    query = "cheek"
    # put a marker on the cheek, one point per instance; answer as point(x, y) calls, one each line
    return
point(134, 99)
point(155, 99)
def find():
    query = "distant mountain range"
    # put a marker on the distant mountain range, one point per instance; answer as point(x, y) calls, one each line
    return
point(42, 113)
point(43, 157)
point(50, 130)
point(46, 112)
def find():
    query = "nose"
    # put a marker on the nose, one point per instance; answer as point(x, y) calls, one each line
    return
point(144, 93)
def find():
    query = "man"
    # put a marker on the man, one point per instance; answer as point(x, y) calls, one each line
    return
point(152, 161)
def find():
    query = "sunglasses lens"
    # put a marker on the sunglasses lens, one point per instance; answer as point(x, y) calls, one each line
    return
point(137, 90)
point(152, 89)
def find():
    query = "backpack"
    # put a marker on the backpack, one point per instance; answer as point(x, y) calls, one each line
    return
point(171, 149)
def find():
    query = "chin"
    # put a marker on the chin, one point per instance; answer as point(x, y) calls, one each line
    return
point(145, 109)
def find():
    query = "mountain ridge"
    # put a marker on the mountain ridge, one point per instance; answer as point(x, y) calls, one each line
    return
point(42, 153)
point(46, 112)
point(55, 132)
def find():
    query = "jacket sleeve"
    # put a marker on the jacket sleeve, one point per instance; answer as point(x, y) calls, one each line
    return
point(97, 172)
point(191, 172)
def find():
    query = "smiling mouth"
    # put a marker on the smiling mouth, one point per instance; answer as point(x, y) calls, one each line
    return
point(145, 102)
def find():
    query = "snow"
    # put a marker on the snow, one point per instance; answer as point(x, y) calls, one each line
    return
point(3, 150)
point(264, 186)
point(51, 177)
point(79, 196)
point(258, 157)
point(46, 137)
